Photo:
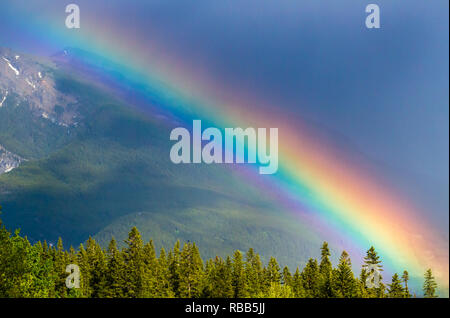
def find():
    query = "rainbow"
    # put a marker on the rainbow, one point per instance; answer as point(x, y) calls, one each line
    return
point(315, 181)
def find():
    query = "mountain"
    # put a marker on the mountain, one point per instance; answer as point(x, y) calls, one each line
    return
point(78, 161)
point(37, 118)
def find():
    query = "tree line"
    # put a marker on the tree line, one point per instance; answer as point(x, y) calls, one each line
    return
point(39, 270)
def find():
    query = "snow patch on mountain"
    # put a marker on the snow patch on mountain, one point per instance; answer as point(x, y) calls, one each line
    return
point(11, 66)
point(3, 99)
point(30, 83)
point(36, 87)
point(8, 160)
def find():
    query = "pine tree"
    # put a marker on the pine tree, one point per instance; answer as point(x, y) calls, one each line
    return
point(430, 285)
point(219, 279)
point(287, 277)
point(405, 279)
point(395, 288)
point(150, 271)
point(362, 287)
point(60, 260)
point(135, 266)
point(279, 291)
point(6, 265)
point(271, 277)
point(372, 258)
point(18, 266)
point(72, 258)
point(273, 272)
point(344, 284)
point(310, 278)
point(191, 272)
point(229, 280)
point(325, 269)
point(239, 280)
point(85, 270)
point(38, 270)
point(174, 268)
point(208, 287)
point(372, 266)
point(254, 273)
point(297, 285)
point(115, 275)
point(164, 289)
point(41, 268)
point(97, 267)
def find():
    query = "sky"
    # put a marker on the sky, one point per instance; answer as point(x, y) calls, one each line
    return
point(380, 94)
point(383, 92)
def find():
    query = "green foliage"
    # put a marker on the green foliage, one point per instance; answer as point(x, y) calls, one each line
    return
point(311, 279)
point(405, 279)
point(39, 270)
point(430, 285)
point(272, 272)
point(325, 269)
point(372, 260)
point(239, 279)
point(191, 271)
point(135, 269)
point(297, 285)
point(115, 277)
point(279, 291)
point(254, 273)
point(219, 279)
point(395, 288)
point(344, 283)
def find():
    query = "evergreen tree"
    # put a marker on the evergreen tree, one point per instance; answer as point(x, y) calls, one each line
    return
point(405, 279)
point(210, 274)
point(150, 271)
point(191, 272)
point(280, 291)
point(174, 268)
point(362, 287)
point(344, 283)
point(38, 270)
point(115, 275)
point(219, 278)
point(395, 288)
point(373, 268)
point(85, 270)
point(6, 265)
point(164, 289)
point(297, 285)
point(135, 266)
point(325, 269)
point(43, 283)
point(60, 260)
point(273, 272)
point(430, 285)
point(254, 273)
point(239, 281)
point(310, 278)
point(287, 277)
point(17, 268)
point(97, 267)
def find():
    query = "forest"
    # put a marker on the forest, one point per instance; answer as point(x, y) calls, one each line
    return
point(136, 271)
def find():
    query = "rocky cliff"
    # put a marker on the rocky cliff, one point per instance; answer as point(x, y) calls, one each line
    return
point(8, 160)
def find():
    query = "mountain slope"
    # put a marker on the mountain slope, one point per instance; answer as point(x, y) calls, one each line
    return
point(110, 169)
